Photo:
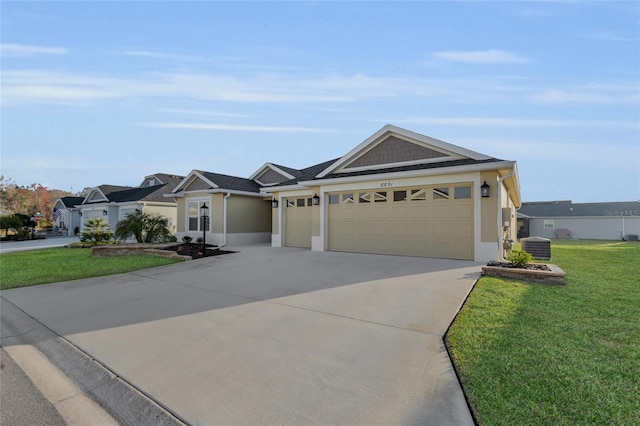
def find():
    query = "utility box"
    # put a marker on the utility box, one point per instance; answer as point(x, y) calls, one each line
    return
point(539, 248)
point(631, 237)
point(507, 214)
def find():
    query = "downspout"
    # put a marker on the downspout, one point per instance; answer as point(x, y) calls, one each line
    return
point(224, 220)
point(500, 232)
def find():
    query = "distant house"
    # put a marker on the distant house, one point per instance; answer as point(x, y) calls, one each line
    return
point(598, 221)
point(114, 203)
point(66, 217)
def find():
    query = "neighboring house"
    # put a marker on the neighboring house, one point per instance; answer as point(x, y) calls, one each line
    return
point(239, 213)
point(66, 217)
point(598, 221)
point(398, 192)
point(114, 203)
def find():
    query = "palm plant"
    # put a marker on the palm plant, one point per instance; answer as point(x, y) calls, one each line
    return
point(144, 227)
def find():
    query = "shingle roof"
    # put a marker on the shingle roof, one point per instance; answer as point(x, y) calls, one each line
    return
point(309, 173)
point(71, 201)
point(232, 182)
point(108, 189)
point(169, 178)
point(293, 172)
point(566, 208)
point(133, 194)
point(426, 166)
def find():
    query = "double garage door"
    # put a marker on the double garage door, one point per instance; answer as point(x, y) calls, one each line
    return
point(429, 221)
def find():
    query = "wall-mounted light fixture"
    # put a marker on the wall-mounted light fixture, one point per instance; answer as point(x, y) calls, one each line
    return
point(104, 212)
point(315, 200)
point(274, 203)
point(80, 214)
point(485, 190)
point(137, 210)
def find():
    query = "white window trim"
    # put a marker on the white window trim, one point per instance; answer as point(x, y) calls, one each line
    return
point(186, 214)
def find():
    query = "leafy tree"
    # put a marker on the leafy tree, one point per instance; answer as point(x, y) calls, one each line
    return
point(97, 231)
point(144, 227)
point(10, 221)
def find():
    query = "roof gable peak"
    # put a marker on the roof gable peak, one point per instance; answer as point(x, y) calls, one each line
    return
point(392, 146)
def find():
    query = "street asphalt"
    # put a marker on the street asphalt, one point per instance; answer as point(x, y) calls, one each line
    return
point(273, 335)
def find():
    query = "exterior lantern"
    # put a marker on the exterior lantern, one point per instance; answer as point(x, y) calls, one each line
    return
point(484, 189)
point(204, 215)
point(316, 200)
point(274, 203)
point(105, 212)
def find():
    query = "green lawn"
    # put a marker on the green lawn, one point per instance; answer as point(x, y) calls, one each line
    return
point(25, 268)
point(561, 355)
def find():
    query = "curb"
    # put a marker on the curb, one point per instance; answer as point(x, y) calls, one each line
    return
point(120, 400)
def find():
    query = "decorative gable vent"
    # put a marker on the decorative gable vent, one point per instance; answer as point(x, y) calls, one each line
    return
point(394, 150)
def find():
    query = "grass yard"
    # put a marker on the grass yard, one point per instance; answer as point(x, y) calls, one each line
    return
point(25, 268)
point(531, 354)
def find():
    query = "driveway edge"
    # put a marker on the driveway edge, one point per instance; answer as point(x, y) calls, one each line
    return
point(455, 367)
point(124, 402)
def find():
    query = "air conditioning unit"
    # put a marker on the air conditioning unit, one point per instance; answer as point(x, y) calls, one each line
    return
point(631, 237)
point(539, 248)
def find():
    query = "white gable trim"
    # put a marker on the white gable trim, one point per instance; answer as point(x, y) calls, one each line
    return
point(89, 196)
point(193, 175)
point(273, 167)
point(453, 151)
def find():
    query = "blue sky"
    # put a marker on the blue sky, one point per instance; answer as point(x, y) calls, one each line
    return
point(108, 92)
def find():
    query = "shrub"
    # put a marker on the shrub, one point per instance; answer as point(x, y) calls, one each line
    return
point(96, 231)
point(187, 239)
point(520, 258)
point(199, 240)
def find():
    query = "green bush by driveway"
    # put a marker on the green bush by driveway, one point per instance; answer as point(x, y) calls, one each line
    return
point(25, 268)
point(561, 355)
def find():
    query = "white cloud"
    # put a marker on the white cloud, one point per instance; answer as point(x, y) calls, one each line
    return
point(162, 56)
point(508, 122)
point(26, 50)
point(491, 56)
point(610, 36)
point(234, 127)
point(203, 113)
point(589, 94)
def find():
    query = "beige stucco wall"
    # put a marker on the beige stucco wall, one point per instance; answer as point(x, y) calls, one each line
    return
point(166, 210)
point(489, 208)
point(315, 215)
point(275, 219)
point(248, 214)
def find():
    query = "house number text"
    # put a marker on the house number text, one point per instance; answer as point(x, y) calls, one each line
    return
point(386, 184)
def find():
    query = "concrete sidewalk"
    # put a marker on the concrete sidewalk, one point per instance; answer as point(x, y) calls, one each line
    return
point(274, 336)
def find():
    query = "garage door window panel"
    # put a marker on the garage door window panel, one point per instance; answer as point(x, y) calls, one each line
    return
point(399, 196)
point(462, 192)
point(440, 193)
point(418, 195)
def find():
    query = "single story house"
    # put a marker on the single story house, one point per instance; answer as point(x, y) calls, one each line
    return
point(238, 213)
point(114, 203)
point(66, 217)
point(398, 192)
point(565, 219)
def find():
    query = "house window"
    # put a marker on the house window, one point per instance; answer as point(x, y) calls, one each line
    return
point(440, 193)
point(300, 202)
point(549, 223)
point(418, 195)
point(399, 195)
point(347, 198)
point(194, 216)
point(462, 192)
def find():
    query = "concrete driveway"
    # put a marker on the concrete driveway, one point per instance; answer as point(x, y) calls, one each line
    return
point(274, 335)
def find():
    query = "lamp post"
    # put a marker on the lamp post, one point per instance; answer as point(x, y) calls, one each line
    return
point(204, 215)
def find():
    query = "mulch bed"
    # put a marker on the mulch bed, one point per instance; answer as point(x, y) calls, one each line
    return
point(531, 266)
point(195, 250)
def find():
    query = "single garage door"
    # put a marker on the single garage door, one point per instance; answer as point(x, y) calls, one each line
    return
point(297, 218)
point(429, 221)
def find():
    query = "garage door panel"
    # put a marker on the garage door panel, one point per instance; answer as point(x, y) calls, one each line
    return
point(416, 225)
point(297, 224)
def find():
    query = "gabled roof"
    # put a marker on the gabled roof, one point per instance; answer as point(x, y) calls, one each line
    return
point(100, 194)
point(163, 178)
point(308, 173)
point(566, 208)
point(272, 174)
point(392, 147)
point(71, 201)
point(135, 194)
point(205, 181)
